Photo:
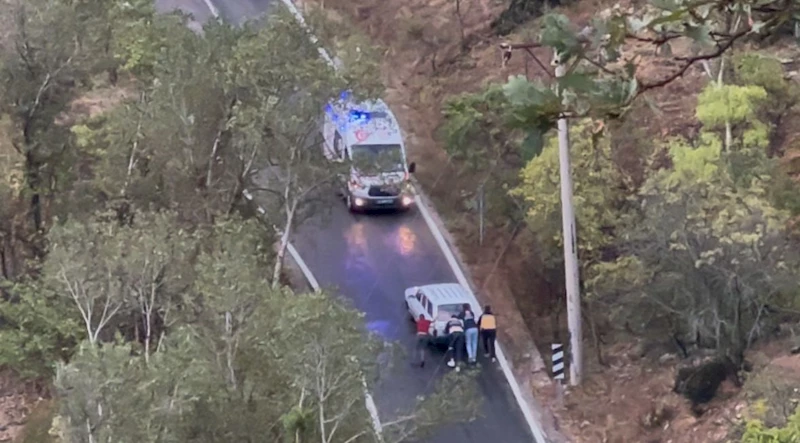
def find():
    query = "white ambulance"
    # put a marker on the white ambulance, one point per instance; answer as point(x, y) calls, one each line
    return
point(366, 136)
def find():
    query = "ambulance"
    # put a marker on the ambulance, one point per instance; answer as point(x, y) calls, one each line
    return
point(365, 135)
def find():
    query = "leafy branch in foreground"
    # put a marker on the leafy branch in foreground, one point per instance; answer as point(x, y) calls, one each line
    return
point(601, 81)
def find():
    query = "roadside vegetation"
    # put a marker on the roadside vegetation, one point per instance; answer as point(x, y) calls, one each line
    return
point(684, 139)
point(142, 299)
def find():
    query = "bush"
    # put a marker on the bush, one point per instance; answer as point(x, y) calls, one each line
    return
point(756, 432)
point(37, 328)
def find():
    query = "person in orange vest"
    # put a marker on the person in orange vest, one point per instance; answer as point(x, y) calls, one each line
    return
point(423, 337)
point(487, 323)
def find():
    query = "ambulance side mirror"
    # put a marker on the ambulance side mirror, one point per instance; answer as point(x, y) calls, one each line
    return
point(412, 167)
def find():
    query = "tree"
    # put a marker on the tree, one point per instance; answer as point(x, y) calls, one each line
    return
point(41, 70)
point(286, 121)
point(40, 328)
point(244, 362)
point(119, 33)
point(475, 131)
point(156, 259)
point(707, 256)
point(82, 266)
point(108, 394)
point(734, 109)
point(229, 292)
point(172, 143)
point(765, 71)
point(122, 278)
point(599, 196)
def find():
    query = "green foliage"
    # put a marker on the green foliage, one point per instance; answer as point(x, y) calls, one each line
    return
point(704, 252)
point(534, 108)
point(598, 193)
point(753, 68)
point(785, 192)
point(757, 432)
point(477, 133)
point(40, 328)
point(475, 128)
point(718, 104)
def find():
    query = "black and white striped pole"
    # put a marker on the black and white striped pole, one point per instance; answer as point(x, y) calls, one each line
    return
point(558, 362)
point(558, 371)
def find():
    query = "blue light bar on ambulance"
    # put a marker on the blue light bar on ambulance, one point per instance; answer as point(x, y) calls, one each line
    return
point(357, 116)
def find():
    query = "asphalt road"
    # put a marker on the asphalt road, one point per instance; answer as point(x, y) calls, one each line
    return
point(240, 11)
point(371, 259)
point(232, 11)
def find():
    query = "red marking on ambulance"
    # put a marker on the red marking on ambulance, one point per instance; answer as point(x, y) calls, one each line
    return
point(361, 135)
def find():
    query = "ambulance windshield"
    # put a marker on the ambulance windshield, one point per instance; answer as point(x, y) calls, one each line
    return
point(377, 159)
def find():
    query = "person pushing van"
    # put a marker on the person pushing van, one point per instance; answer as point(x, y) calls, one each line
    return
point(487, 323)
point(423, 337)
point(455, 330)
point(470, 332)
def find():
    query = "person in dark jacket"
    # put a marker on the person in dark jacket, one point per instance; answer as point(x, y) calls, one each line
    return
point(455, 331)
point(470, 332)
point(487, 324)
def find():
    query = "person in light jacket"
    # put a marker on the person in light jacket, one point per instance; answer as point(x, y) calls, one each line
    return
point(470, 332)
point(487, 324)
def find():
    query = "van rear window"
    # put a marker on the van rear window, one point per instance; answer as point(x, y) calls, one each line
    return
point(447, 311)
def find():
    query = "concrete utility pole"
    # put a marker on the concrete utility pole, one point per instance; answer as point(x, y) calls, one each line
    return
point(571, 274)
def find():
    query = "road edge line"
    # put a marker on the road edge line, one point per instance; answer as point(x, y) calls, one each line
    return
point(533, 424)
point(372, 408)
point(212, 8)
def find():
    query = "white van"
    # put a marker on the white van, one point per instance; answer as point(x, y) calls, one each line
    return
point(438, 303)
point(366, 135)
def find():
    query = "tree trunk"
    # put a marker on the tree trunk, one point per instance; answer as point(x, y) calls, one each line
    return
point(34, 183)
point(211, 157)
point(229, 350)
point(147, 333)
point(3, 264)
point(284, 243)
point(217, 140)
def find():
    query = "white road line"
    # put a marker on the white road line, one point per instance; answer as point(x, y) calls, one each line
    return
point(212, 8)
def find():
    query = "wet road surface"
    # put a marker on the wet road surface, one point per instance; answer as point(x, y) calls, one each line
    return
point(371, 259)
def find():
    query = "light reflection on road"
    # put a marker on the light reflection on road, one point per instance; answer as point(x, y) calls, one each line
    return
point(406, 240)
point(383, 328)
point(356, 238)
